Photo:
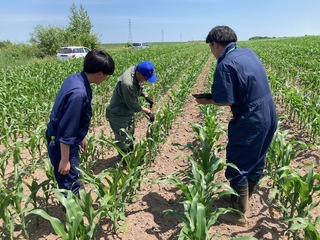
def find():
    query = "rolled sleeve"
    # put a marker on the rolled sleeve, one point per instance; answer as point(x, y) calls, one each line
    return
point(222, 88)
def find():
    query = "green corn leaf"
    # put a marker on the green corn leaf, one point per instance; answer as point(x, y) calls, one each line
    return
point(55, 223)
point(201, 222)
point(310, 232)
point(194, 213)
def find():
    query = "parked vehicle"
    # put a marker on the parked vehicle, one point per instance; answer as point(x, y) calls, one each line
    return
point(139, 45)
point(71, 52)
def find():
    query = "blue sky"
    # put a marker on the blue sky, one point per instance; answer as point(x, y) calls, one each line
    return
point(164, 20)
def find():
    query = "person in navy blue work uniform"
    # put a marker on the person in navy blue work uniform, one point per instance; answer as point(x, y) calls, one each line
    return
point(70, 118)
point(240, 81)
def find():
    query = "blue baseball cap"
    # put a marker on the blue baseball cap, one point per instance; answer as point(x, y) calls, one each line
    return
point(146, 68)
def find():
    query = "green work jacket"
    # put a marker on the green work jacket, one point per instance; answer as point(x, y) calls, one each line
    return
point(124, 100)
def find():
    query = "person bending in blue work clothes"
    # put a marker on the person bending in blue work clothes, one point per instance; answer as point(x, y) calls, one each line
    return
point(124, 103)
point(70, 118)
point(240, 81)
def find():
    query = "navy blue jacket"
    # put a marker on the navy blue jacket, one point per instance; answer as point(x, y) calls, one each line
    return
point(72, 111)
point(240, 79)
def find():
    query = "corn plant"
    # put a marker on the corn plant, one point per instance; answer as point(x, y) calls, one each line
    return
point(6, 214)
point(198, 195)
point(106, 195)
point(4, 160)
point(87, 158)
point(34, 138)
point(34, 188)
point(119, 190)
point(280, 154)
point(297, 198)
point(12, 211)
point(307, 226)
point(81, 220)
point(200, 186)
point(208, 137)
point(51, 183)
point(195, 219)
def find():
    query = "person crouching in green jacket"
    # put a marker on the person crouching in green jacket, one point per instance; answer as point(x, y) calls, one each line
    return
point(124, 103)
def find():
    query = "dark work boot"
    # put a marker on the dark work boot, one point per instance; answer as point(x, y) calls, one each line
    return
point(239, 203)
point(252, 188)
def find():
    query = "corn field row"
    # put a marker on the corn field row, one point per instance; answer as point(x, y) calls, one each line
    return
point(296, 196)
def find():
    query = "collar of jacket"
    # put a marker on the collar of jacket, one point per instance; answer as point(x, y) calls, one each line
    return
point(229, 48)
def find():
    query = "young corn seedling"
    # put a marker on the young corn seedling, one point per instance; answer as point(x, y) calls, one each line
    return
point(199, 191)
point(34, 188)
point(307, 226)
point(87, 158)
point(297, 200)
point(51, 183)
point(81, 218)
point(15, 212)
point(116, 187)
point(34, 138)
point(6, 214)
point(107, 193)
point(280, 154)
point(4, 161)
point(195, 220)
point(200, 187)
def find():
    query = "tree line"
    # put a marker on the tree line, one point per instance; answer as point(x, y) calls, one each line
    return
point(46, 40)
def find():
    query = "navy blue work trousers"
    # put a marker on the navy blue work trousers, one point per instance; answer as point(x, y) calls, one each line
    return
point(69, 181)
point(250, 137)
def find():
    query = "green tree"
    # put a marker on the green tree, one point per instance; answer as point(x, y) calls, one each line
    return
point(80, 27)
point(78, 32)
point(48, 39)
point(5, 43)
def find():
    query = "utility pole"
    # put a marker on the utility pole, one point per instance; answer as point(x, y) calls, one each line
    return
point(162, 35)
point(130, 33)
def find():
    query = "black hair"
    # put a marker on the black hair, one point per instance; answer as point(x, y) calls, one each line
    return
point(98, 61)
point(222, 35)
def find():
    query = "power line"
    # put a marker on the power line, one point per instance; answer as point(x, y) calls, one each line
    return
point(130, 33)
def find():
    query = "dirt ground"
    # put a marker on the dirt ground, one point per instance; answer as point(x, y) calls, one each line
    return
point(145, 217)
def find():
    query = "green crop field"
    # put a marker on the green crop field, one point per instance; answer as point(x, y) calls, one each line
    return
point(27, 186)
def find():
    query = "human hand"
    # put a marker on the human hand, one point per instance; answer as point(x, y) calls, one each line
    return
point(64, 167)
point(84, 146)
point(151, 116)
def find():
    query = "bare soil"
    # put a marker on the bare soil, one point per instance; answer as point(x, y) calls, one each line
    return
point(145, 217)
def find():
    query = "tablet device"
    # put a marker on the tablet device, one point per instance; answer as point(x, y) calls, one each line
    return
point(203, 95)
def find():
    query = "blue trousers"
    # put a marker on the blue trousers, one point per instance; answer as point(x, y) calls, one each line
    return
point(250, 137)
point(69, 181)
